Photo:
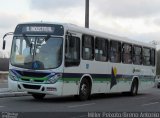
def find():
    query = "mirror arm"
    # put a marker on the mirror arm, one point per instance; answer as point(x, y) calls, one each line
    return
point(4, 41)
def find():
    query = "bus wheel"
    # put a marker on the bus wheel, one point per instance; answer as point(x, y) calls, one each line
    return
point(134, 88)
point(84, 91)
point(38, 96)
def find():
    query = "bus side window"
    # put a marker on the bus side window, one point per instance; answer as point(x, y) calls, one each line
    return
point(137, 55)
point(101, 48)
point(87, 47)
point(146, 56)
point(127, 53)
point(72, 51)
point(115, 51)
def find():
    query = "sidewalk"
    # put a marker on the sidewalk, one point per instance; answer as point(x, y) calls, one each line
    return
point(5, 92)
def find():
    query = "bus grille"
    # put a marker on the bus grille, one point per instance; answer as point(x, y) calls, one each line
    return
point(28, 80)
point(32, 74)
point(31, 86)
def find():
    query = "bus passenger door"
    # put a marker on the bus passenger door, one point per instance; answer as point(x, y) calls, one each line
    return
point(71, 64)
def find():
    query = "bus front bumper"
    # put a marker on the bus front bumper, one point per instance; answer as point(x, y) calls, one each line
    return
point(52, 89)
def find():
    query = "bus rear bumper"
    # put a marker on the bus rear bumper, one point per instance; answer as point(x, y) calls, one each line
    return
point(52, 89)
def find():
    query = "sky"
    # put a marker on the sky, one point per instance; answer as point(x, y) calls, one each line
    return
point(135, 19)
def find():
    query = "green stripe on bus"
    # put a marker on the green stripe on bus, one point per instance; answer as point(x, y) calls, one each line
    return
point(72, 80)
point(95, 79)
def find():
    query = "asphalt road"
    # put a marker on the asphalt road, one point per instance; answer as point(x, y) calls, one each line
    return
point(145, 101)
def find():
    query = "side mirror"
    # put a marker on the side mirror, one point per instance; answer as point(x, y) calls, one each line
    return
point(4, 44)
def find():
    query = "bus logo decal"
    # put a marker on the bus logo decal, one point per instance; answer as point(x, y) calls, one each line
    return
point(113, 77)
point(31, 80)
point(35, 65)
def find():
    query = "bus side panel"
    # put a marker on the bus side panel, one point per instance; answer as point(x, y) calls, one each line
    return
point(146, 77)
point(71, 80)
point(99, 76)
point(122, 73)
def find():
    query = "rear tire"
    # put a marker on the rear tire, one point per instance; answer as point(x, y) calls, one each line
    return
point(38, 96)
point(84, 90)
point(134, 88)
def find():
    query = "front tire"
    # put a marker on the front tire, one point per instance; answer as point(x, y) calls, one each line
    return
point(85, 90)
point(38, 96)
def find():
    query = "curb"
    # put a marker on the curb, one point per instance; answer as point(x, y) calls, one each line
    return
point(13, 94)
point(6, 93)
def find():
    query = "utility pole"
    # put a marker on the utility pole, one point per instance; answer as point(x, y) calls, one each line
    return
point(87, 14)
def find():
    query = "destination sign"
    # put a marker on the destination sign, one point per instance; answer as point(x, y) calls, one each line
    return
point(40, 29)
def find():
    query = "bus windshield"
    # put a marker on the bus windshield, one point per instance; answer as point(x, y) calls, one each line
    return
point(38, 52)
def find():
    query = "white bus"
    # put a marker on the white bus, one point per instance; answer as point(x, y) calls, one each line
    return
point(65, 59)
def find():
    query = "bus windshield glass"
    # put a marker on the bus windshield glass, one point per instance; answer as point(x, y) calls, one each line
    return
point(38, 52)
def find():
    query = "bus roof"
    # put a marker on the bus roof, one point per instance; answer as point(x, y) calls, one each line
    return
point(76, 28)
point(107, 35)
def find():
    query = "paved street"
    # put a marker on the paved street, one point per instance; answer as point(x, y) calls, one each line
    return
point(68, 106)
point(146, 101)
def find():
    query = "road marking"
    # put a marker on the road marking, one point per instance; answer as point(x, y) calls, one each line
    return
point(150, 103)
point(82, 105)
point(81, 116)
point(139, 98)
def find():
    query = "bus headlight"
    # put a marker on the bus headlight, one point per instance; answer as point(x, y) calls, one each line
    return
point(54, 79)
point(12, 76)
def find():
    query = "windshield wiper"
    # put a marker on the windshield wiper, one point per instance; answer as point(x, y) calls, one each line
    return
point(28, 43)
point(47, 37)
point(27, 40)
